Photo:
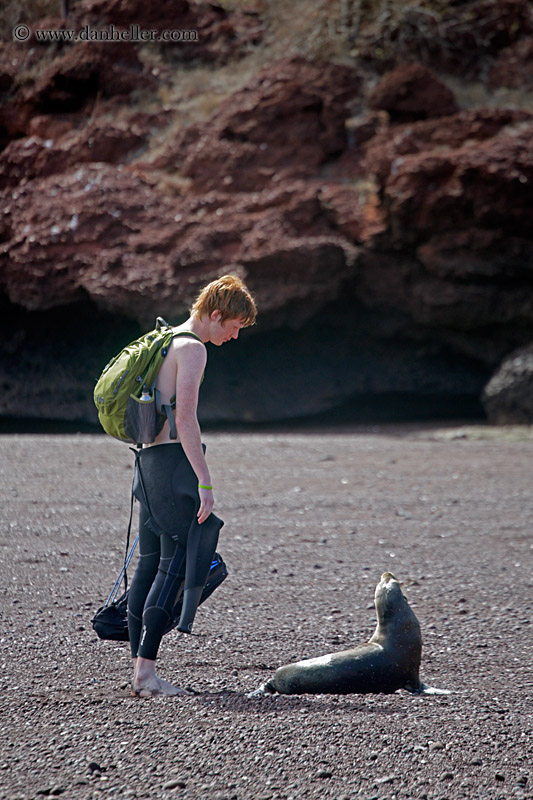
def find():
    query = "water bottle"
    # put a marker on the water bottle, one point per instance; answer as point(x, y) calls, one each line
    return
point(141, 418)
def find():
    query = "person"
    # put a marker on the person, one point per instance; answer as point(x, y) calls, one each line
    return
point(178, 531)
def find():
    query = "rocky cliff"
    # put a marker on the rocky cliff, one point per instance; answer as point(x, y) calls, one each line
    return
point(368, 175)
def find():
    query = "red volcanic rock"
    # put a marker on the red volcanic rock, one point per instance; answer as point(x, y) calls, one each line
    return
point(384, 153)
point(27, 158)
point(361, 131)
point(93, 67)
point(37, 157)
point(408, 149)
point(67, 84)
point(15, 118)
point(365, 126)
point(409, 235)
point(48, 126)
point(514, 67)
point(296, 279)
point(486, 183)
point(459, 222)
point(475, 279)
point(354, 210)
point(485, 253)
point(91, 236)
point(412, 92)
point(287, 123)
point(101, 227)
point(7, 77)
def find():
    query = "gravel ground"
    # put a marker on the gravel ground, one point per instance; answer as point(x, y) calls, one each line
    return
point(312, 520)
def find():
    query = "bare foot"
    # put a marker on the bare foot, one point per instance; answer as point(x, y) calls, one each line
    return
point(146, 683)
point(156, 687)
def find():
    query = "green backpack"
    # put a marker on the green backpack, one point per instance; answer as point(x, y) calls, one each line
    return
point(128, 403)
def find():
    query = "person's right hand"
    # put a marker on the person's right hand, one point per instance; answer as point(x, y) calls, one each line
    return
point(207, 501)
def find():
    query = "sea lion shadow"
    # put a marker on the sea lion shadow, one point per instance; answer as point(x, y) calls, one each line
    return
point(241, 702)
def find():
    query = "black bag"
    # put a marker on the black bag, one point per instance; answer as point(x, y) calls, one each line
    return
point(111, 620)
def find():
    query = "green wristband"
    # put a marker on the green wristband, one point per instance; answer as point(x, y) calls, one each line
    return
point(205, 487)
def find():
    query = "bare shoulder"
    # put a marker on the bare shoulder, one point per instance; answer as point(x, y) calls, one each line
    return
point(190, 352)
point(188, 343)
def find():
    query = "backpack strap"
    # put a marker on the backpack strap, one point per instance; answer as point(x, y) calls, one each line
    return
point(168, 408)
point(188, 333)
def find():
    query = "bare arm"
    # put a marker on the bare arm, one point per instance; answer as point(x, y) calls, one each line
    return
point(192, 357)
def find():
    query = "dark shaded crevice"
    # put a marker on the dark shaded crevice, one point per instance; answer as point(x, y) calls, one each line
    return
point(9, 425)
point(50, 360)
point(346, 364)
point(373, 409)
point(68, 94)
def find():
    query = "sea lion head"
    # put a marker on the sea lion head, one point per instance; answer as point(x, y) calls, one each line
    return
point(395, 616)
point(387, 597)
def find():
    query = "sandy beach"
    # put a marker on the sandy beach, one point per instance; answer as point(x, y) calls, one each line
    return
point(312, 519)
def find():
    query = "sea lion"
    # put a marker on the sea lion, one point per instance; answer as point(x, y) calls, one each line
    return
point(389, 661)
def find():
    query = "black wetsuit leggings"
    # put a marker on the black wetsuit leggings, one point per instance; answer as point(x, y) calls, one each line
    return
point(155, 586)
point(174, 550)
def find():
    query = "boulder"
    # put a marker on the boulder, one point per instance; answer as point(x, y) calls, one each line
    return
point(508, 396)
point(412, 92)
point(15, 112)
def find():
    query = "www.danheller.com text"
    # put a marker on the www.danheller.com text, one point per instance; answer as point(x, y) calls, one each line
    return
point(133, 33)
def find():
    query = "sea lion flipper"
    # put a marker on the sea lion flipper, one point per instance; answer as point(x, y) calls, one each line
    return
point(423, 689)
point(263, 690)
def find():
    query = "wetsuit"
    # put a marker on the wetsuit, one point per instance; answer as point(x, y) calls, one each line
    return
point(175, 552)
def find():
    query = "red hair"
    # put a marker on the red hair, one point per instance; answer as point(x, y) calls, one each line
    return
point(228, 295)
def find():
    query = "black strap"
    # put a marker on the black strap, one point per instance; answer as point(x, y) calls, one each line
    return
point(171, 420)
point(126, 554)
point(188, 333)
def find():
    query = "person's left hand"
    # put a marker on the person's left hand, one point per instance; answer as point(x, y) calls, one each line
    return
point(207, 501)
